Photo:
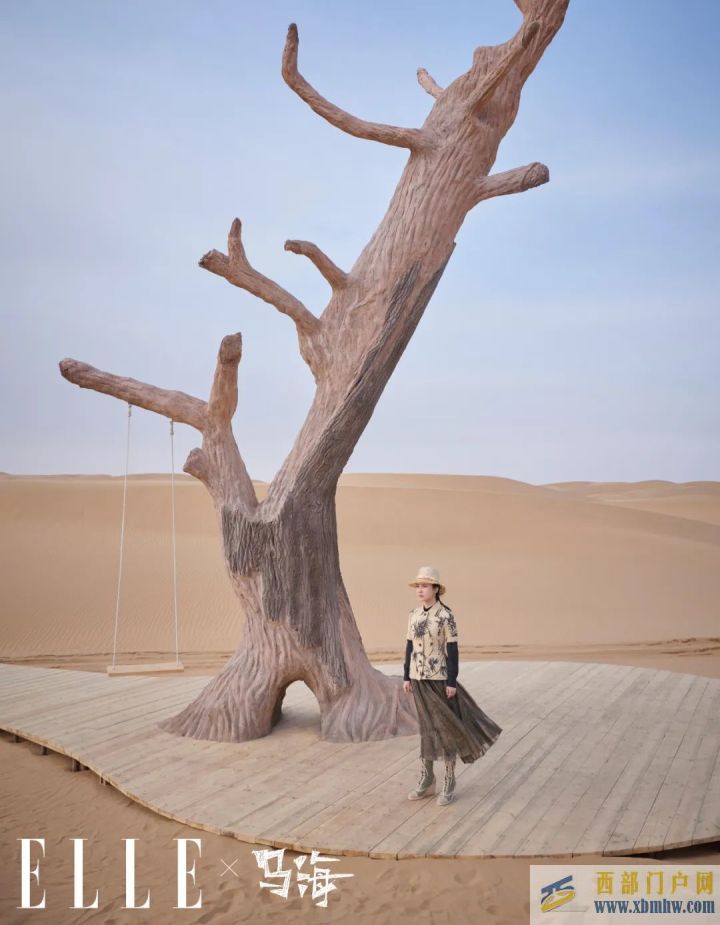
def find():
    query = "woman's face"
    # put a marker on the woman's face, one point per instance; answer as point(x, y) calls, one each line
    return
point(425, 593)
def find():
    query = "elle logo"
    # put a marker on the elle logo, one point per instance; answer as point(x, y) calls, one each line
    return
point(183, 872)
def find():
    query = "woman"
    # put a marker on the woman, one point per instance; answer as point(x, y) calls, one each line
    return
point(451, 723)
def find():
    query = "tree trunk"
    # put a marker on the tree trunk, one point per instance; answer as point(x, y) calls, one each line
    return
point(285, 565)
point(299, 626)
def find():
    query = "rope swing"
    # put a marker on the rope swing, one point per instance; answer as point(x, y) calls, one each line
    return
point(139, 668)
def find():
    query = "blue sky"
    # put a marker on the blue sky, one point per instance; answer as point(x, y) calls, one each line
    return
point(574, 334)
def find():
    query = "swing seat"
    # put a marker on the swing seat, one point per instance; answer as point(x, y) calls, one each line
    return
point(145, 668)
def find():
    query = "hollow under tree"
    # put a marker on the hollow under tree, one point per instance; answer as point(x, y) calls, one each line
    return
point(282, 552)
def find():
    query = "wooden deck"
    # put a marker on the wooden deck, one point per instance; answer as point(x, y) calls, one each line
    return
point(592, 758)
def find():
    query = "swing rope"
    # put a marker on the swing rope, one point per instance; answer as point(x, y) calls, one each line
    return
point(172, 493)
point(122, 538)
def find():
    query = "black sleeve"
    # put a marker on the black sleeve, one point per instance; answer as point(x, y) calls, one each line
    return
point(453, 659)
point(408, 653)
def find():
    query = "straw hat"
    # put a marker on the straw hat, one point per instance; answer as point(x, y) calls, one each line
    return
point(427, 575)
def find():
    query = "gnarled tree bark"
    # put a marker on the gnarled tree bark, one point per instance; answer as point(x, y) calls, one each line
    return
point(282, 553)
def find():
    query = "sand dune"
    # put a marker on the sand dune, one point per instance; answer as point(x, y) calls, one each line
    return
point(694, 500)
point(551, 566)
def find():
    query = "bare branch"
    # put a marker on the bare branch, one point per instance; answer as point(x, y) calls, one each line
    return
point(482, 93)
point(412, 138)
point(516, 180)
point(224, 392)
point(220, 452)
point(236, 269)
point(505, 68)
point(428, 83)
point(178, 406)
point(197, 465)
point(219, 462)
point(332, 273)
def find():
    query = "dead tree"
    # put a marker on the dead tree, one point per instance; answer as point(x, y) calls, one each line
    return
point(282, 553)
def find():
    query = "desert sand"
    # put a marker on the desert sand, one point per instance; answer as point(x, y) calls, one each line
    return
point(623, 572)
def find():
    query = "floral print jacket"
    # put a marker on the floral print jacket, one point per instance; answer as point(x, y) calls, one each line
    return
point(430, 631)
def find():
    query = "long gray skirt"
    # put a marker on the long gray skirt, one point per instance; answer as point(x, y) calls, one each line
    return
point(451, 727)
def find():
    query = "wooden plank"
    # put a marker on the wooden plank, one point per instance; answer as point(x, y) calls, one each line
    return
point(596, 777)
point(642, 741)
point(674, 786)
point(640, 798)
point(507, 830)
point(19, 696)
point(520, 780)
point(54, 728)
point(301, 772)
point(334, 801)
point(363, 779)
point(77, 712)
point(257, 781)
point(603, 732)
point(376, 792)
point(707, 824)
point(406, 820)
point(591, 755)
point(28, 680)
point(163, 779)
point(403, 817)
point(86, 695)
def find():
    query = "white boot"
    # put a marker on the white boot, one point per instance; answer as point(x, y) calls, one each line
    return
point(448, 790)
point(426, 782)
